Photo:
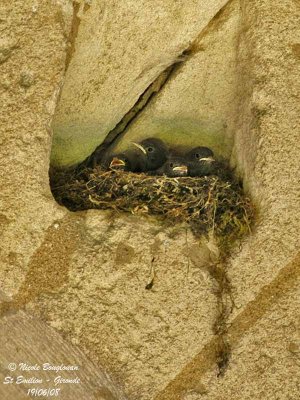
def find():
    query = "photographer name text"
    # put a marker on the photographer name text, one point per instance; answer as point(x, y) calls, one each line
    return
point(46, 367)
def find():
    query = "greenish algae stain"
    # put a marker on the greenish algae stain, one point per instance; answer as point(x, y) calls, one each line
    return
point(73, 143)
point(183, 133)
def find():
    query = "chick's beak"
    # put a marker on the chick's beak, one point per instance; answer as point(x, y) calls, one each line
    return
point(117, 162)
point(207, 159)
point(181, 168)
point(139, 147)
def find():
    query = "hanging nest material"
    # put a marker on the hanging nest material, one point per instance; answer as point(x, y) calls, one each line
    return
point(206, 203)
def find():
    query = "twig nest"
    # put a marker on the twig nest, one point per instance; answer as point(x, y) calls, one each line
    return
point(206, 203)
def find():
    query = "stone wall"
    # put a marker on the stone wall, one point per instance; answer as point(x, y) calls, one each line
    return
point(121, 48)
point(84, 274)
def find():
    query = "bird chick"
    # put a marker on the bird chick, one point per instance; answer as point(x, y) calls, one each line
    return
point(118, 162)
point(174, 167)
point(201, 161)
point(200, 153)
point(131, 159)
point(154, 153)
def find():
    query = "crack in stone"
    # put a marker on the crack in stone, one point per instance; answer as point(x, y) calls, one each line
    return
point(152, 90)
point(73, 34)
point(76, 20)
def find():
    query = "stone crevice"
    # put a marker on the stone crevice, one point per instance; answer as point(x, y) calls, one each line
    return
point(115, 134)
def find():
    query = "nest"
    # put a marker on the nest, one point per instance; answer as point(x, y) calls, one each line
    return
point(206, 204)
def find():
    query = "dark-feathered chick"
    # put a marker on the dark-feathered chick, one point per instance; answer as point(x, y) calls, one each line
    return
point(174, 167)
point(125, 161)
point(200, 161)
point(154, 153)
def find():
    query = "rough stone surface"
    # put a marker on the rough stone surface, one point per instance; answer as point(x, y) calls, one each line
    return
point(265, 362)
point(121, 48)
point(104, 307)
point(85, 273)
point(35, 42)
point(266, 153)
point(27, 206)
point(266, 143)
point(26, 340)
point(198, 104)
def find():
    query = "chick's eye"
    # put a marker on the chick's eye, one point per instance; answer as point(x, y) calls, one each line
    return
point(197, 155)
point(171, 165)
point(150, 149)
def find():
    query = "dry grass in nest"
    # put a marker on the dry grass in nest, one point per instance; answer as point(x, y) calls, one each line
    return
point(206, 203)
